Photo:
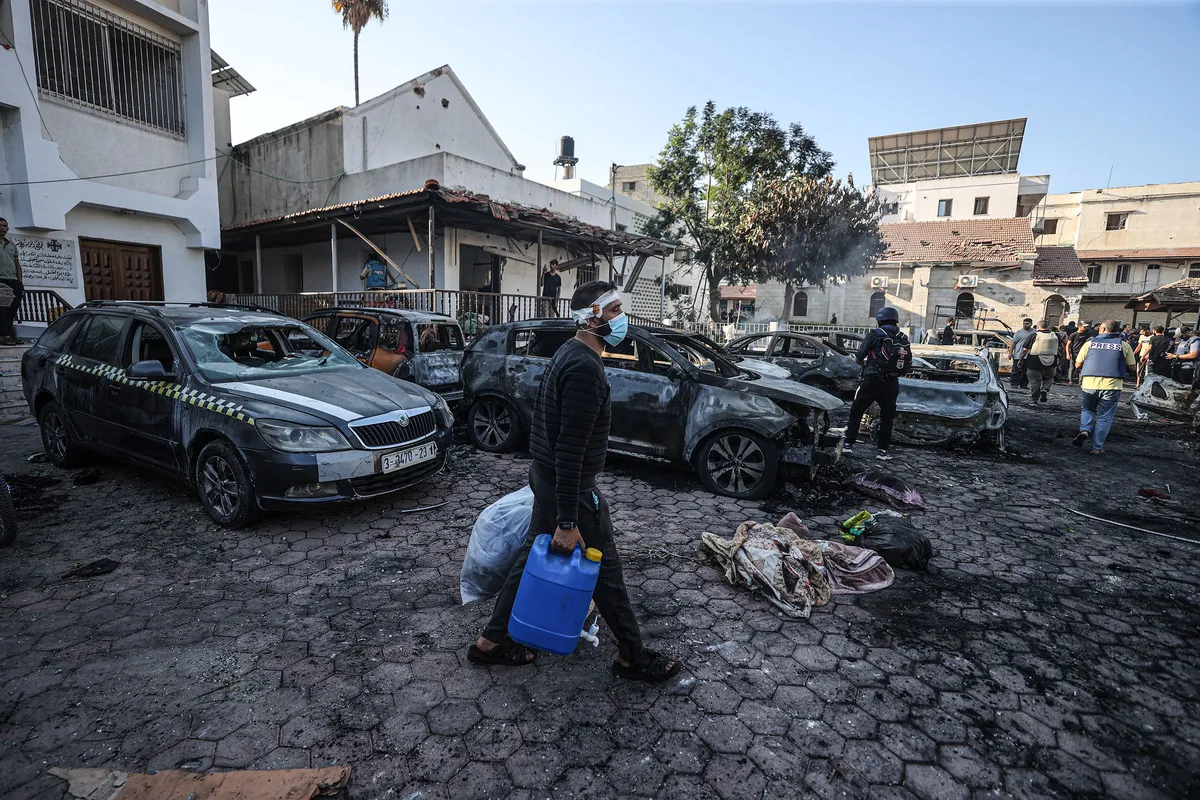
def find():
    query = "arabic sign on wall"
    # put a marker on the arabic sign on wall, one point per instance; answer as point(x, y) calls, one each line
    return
point(46, 260)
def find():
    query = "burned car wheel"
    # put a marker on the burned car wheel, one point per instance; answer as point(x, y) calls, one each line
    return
point(738, 463)
point(224, 486)
point(57, 440)
point(494, 425)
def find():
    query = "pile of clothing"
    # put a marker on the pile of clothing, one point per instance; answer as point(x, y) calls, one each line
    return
point(794, 571)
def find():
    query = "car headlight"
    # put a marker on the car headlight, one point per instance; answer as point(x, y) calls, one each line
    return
point(443, 411)
point(301, 438)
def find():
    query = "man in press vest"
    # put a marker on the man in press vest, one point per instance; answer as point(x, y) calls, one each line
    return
point(1103, 362)
point(1040, 359)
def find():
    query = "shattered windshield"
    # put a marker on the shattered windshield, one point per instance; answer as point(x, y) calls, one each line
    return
point(703, 356)
point(227, 350)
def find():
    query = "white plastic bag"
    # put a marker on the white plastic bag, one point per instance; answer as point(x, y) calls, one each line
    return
point(496, 541)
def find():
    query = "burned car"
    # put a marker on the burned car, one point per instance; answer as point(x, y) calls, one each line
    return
point(256, 410)
point(846, 340)
point(1165, 397)
point(672, 401)
point(952, 396)
point(808, 360)
point(411, 345)
point(701, 349)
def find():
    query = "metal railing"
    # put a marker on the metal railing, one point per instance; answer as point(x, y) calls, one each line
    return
point(474, 310)
point(724, 332)
point(42, 306)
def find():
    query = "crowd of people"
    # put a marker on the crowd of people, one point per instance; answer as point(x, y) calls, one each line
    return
point(1173, 354)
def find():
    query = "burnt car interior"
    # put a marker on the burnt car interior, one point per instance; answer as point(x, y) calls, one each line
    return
point(542, 343)
point(946, 370)
point(394, 336)
point(434, 336)
point(231, 351)
point(701, 357)
point(148, 344)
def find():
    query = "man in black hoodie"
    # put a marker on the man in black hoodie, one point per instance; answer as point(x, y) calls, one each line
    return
point(880, 382)
point(568, 441)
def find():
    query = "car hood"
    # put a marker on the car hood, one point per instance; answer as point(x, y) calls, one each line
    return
point(764, 368)
point(785, 391)
point(339, 395)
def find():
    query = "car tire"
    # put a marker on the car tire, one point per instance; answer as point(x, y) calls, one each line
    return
point(738, 463)
point(59, 443)
point(224, 486)
point(494, 425)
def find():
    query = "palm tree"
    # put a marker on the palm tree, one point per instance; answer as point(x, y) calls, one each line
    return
point(355, 15)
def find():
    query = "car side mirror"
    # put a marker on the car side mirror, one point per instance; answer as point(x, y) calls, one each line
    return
point(147, 371)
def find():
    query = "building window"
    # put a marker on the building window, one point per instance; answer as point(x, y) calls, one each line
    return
point(878, 301)
point(628, 186)
point(890, 209)
point(95, 59)
point(1194, 271)
point(1049, 226)
point(679, 290)
point(800, 304)
point(981, 206)
point(586, 273)
point(621, 227)
point(1123, 273)
point(1093, 273)
point(944, 207)
point(1116, 222)
point(964, 307)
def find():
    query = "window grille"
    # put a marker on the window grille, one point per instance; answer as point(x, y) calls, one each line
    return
point(95, 59)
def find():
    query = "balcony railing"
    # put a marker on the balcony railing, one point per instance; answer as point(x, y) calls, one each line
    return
point(474, 310)
point(42, 306)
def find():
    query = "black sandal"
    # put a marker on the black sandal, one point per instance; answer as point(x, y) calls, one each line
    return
point(506, 654)
point(649, 666)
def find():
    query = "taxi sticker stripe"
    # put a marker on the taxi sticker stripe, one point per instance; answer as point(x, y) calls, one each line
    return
point(164, 388)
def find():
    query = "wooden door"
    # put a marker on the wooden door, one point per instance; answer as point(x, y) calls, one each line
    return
point(120, 271)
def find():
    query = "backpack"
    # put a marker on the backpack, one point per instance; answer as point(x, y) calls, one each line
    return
point(891, 355)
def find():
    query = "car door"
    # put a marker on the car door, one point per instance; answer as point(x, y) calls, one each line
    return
point(84, 372)
point(530, 354)
point(356, 335)
point(143, 418)
point(645, 418)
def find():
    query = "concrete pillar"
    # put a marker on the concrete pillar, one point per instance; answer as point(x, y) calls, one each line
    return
point(333, 254)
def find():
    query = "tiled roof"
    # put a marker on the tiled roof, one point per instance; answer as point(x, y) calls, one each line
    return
point(739, 292)
point(983, 241)
point(1058, 265)
point(1180, 293)
point(1140, 253)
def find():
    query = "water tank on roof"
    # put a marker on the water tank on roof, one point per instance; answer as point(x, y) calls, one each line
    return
point(566, 147)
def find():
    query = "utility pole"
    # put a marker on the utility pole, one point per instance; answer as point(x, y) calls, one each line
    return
point(612, 180)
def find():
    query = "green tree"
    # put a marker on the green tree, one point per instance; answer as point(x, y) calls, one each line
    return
point(355, 16)
point(805, 231)
point(708, 173)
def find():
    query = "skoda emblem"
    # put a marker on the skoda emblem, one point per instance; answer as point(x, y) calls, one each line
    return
point(403, 420)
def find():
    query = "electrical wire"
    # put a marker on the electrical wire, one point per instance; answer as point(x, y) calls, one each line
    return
point(220, 154)
point(36, 105)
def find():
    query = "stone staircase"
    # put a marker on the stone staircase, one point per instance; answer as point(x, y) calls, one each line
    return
point(12, 400)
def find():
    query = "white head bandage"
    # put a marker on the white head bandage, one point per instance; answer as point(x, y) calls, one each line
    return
point(596, 309)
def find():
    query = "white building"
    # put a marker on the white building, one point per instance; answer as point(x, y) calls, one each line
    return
point(385, 152)
point(964, 172)
point(110, 182)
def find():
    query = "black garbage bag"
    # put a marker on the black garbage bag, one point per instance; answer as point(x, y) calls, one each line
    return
point(894, 538)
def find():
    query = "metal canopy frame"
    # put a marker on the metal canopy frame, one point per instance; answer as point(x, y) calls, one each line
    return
point(989, 148)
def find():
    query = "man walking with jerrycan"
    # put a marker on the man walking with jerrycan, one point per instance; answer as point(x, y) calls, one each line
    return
point(568, 442)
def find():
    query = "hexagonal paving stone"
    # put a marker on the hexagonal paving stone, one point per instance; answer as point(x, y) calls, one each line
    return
point(725, 734)
point(453, 717)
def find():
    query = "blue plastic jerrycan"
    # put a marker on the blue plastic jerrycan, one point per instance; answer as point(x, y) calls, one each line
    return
point(553, 597)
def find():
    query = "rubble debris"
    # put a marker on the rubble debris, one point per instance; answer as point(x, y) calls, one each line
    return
point(86, 477)
point(36, 458)
point(1130, 527)
point(27, 491)
point(101, 566)
point(775, 561)
point(888, 489)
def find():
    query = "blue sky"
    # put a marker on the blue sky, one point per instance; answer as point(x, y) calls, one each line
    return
point(1103, 85)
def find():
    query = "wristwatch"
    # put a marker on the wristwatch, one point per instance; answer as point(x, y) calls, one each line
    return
point(567, 526)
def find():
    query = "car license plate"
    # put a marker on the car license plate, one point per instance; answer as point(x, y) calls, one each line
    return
point(406, 458)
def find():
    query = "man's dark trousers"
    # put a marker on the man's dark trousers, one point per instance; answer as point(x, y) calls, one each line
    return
point(8, 314)
point(874, 389)
point(611, 596)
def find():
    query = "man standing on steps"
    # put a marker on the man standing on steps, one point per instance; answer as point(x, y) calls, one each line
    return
point(1103, 362)
point(1040, 360)
point(884, 355)
point(10, 276)
point(568, 441)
